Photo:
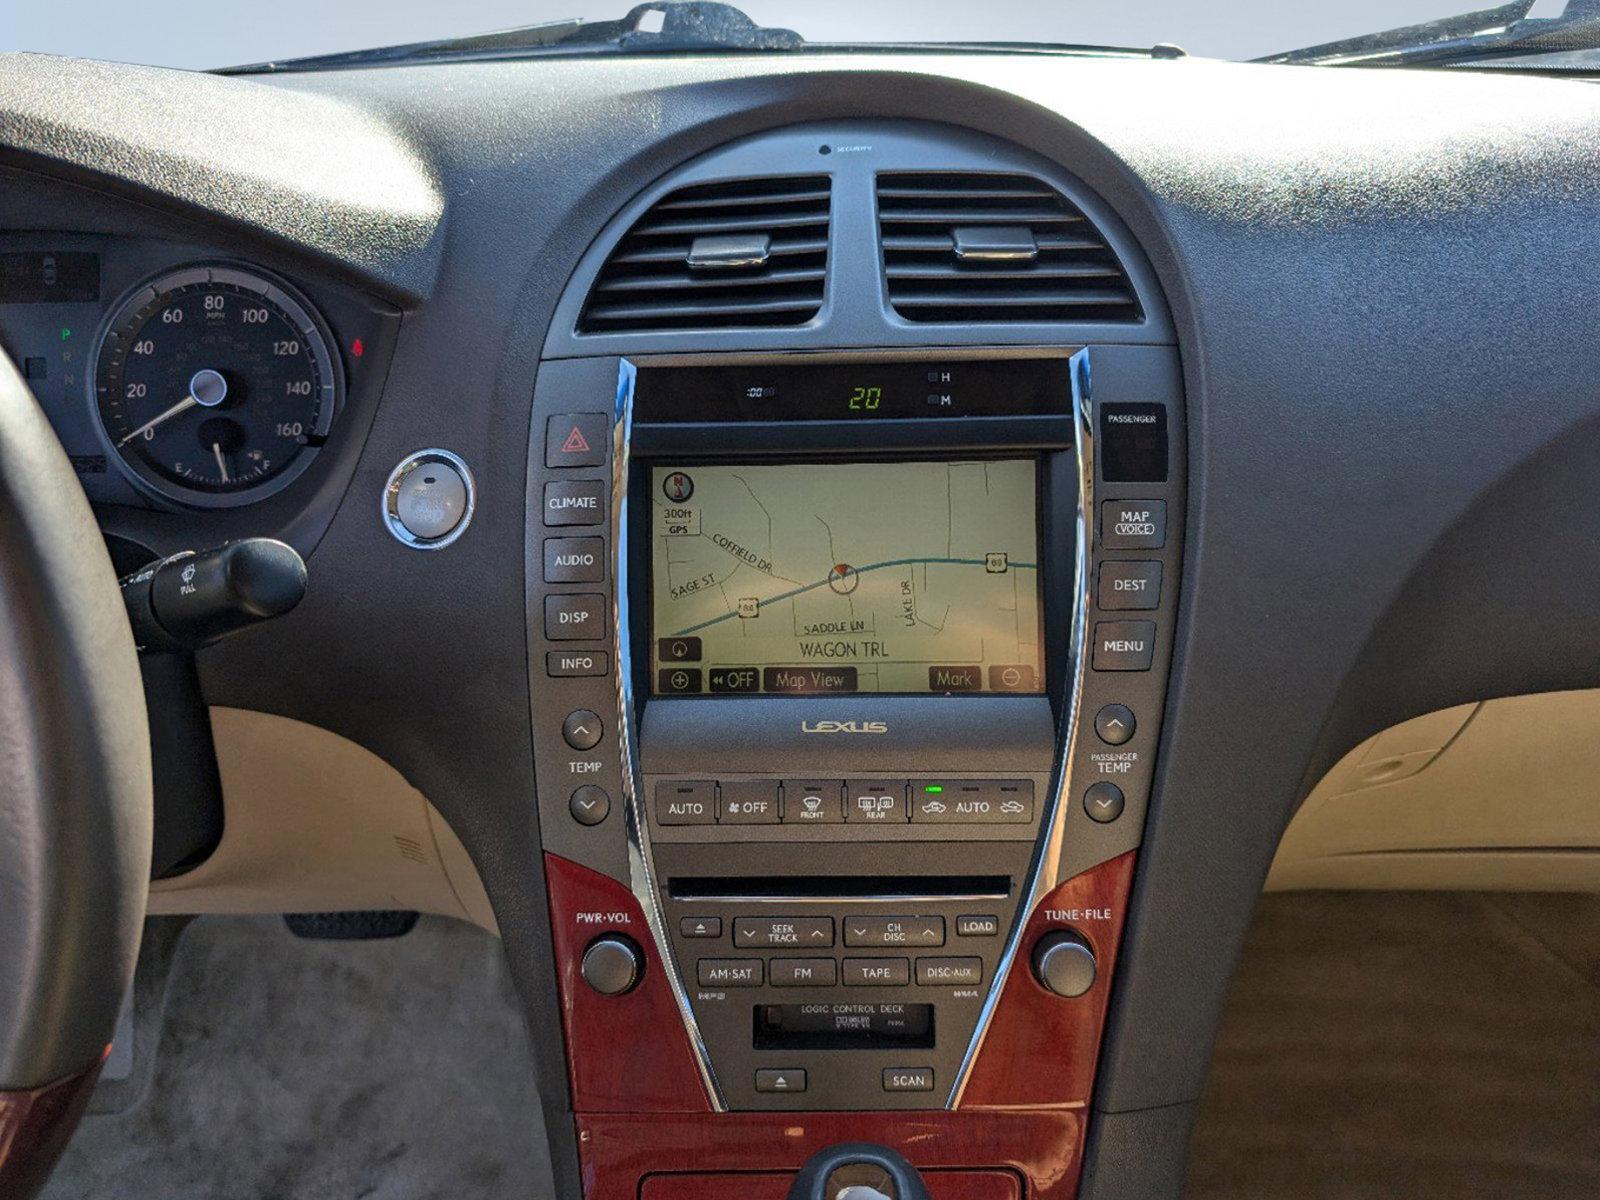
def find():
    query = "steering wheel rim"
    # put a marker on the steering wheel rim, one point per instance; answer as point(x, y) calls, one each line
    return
point(75, 791)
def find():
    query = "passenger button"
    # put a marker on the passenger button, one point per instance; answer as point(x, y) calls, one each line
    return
point(749, 802)
point(686, 802)
point(575, 501)
point(877, 972)
point(574, 560)
point(578, 617)
point(1124, 645)
point(949, 972)
point(777, 1080)
point(1133, 524)
point(813, 803)
point(729, 972)
point(908, 1079)
point(576, 439)
point(756, 933)
point(876, 802)
point(803, 972)
point(1129, 585)
point(894, 931)
point(983, 926)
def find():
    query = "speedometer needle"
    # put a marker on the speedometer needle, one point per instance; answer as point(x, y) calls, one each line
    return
point(216, 448)
point(183, 405)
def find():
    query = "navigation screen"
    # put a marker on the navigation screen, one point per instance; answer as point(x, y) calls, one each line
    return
point(851, 577)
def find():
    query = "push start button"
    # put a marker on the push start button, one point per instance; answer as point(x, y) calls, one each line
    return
point(429, 499)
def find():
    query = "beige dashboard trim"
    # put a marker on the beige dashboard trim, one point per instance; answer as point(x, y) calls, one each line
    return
point(1498, 796)
point(316, 823)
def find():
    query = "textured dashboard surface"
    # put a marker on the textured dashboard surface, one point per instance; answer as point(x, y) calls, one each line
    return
point(307, 170)
point(1384, 301)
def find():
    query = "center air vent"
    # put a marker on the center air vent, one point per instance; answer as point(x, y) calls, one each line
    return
point(751, 252)
point(980, 247)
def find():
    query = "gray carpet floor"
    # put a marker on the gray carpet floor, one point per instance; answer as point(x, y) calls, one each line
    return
point(269, 1067)
point(1408, 1045)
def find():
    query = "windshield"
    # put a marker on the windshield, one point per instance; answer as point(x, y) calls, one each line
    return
point(184, 33)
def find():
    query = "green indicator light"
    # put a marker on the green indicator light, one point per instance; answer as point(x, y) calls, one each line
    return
point(933, 787)
point(65, 333)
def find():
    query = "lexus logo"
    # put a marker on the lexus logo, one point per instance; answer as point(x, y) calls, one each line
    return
point(844, 727)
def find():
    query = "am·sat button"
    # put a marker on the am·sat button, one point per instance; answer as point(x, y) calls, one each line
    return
point(1124, 645)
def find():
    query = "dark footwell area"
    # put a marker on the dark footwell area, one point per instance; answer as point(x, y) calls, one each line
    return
point(1424, 1046)
point(269, 1067)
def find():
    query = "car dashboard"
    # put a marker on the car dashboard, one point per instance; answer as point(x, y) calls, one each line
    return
point(848, 563)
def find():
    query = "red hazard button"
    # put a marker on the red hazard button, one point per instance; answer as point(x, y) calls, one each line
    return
point(577, 439)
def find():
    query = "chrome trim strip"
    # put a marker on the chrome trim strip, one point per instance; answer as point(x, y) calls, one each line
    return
point(1048, 856)
point(641, 861)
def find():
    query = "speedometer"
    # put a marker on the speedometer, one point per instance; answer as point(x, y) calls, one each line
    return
point(215, 386)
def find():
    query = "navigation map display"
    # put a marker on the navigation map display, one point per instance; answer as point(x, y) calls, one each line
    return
point(815, 578)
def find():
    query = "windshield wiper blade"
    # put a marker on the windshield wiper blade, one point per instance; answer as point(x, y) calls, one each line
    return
point(1483, 34)
point(683, 26)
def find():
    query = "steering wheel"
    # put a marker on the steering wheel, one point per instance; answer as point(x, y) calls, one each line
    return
point(75, 815)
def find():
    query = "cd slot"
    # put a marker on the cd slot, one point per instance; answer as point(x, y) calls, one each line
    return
point(840, 887)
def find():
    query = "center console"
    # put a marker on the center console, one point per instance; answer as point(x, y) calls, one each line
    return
point(846, 688)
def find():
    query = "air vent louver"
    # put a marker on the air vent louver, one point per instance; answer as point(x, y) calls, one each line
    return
point(979, 247)
point(750, 252)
